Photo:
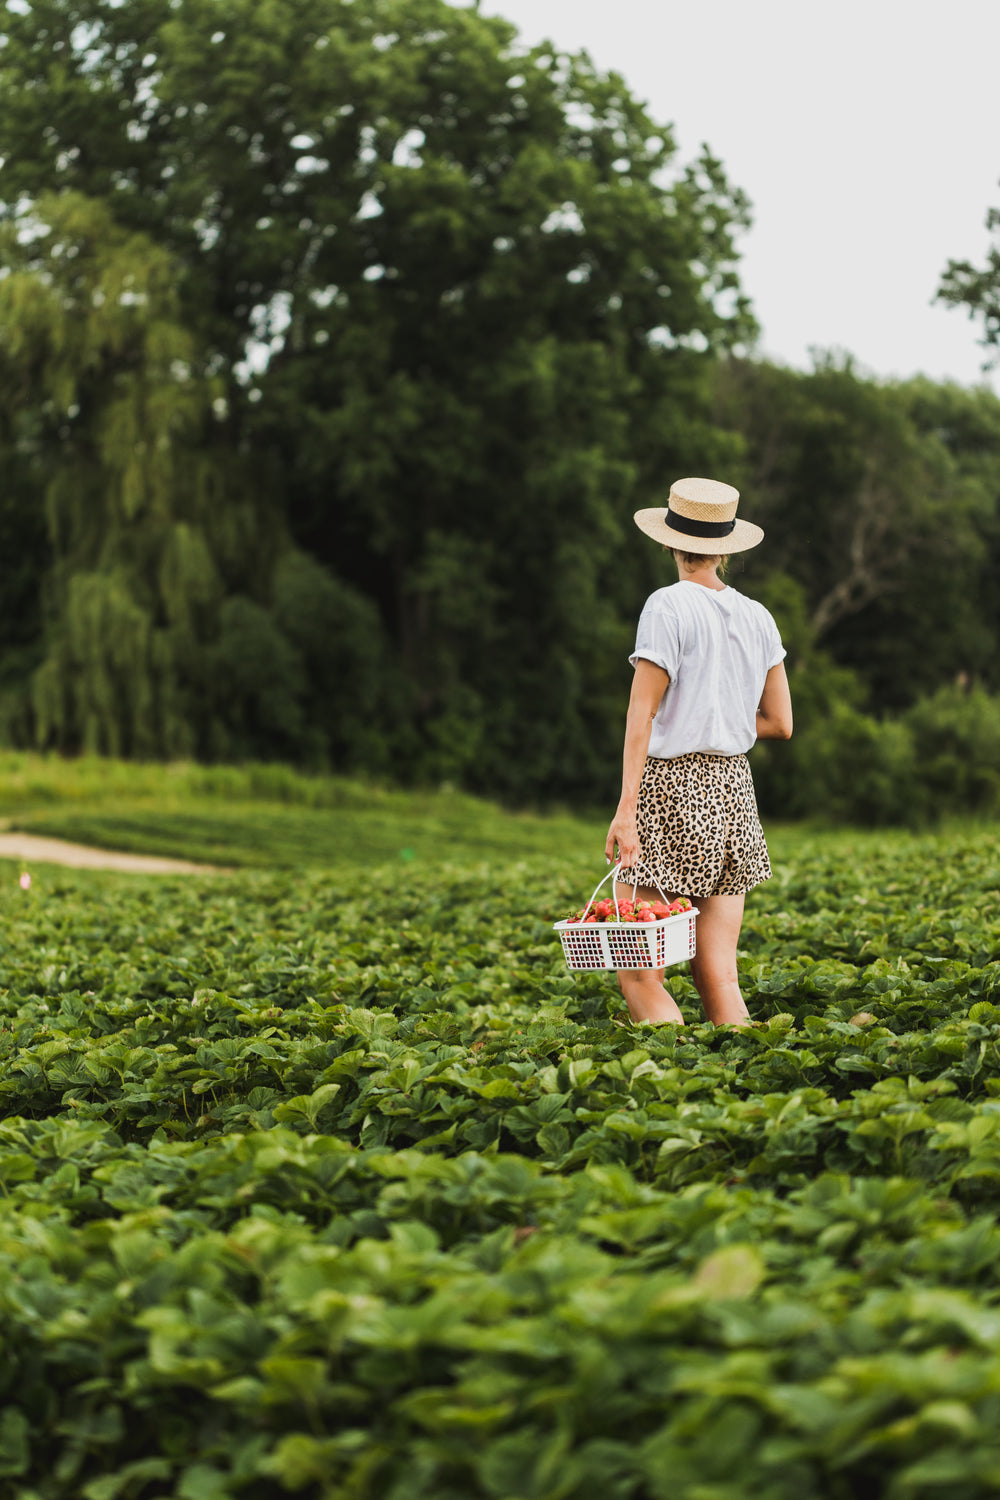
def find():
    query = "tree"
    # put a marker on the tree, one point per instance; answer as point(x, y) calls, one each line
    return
point(880, 500)
point(25, 557)
point(448, 309)
point(159, 540)
point(978, 289)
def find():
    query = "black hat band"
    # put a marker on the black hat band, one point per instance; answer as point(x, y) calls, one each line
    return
point(698, 528)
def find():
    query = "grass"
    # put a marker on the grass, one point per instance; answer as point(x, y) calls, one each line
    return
point(271, 816)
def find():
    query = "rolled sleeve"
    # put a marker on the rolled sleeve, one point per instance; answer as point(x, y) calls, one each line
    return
point(657, 638)
point(775, 650)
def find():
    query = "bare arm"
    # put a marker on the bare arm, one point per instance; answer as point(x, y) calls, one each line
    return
point(648, 687)
point(774, 716)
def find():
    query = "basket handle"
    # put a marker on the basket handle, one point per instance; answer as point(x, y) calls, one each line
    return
point(609, 876)
point(612, 875)
point(635, 884)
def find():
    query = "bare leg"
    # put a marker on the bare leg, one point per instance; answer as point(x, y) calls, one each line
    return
point(713, 968)
point(645, 996)
point(644, 991)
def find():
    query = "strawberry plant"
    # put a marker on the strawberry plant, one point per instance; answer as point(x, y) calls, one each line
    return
point(319, 1190)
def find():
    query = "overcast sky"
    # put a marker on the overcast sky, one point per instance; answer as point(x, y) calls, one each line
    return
point(866, 134)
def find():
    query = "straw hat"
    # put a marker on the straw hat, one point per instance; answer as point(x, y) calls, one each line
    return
point(700, 517)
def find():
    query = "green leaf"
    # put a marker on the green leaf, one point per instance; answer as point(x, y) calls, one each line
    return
point(15, 1450)
point(307, 1107)
point(733, 1272)
point(127, 1480)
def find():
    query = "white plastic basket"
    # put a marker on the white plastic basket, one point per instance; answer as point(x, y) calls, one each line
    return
point(627, 945)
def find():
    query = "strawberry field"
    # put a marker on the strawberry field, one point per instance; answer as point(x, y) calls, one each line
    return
point(333, 1189)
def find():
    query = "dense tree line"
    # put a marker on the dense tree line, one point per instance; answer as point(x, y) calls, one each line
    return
point(338, 341)
point(880, 503)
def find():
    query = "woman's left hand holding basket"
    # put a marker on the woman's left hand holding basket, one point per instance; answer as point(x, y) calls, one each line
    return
point(623, 833)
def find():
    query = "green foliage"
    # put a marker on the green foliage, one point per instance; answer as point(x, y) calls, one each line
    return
point(149, 650)
point(437, 309)
point(319, 1189)
point(938, 759)
point(956, 737)
point(879, 500)
point(336, 634)
point(879, 503)
point(977, 288)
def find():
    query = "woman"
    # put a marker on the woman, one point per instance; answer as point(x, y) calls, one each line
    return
point(709, 681)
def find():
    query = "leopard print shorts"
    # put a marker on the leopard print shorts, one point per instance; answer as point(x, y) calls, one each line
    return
point(699, 833)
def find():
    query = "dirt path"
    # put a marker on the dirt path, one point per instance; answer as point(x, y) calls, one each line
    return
point(35, 849)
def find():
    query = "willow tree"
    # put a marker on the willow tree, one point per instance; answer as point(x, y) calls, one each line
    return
point(449, 306)
point(166, 563)
point(92, 344)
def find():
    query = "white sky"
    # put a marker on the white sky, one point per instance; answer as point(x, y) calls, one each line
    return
point(866, 134)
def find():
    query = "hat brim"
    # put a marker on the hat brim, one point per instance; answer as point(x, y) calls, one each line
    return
point(743, 536)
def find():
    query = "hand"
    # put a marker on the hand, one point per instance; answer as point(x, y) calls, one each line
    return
point(625, 834)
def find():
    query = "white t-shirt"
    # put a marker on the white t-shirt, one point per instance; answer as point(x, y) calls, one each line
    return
point(718, 647)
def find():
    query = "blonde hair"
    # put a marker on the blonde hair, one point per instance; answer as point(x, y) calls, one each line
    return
point(720, 561)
